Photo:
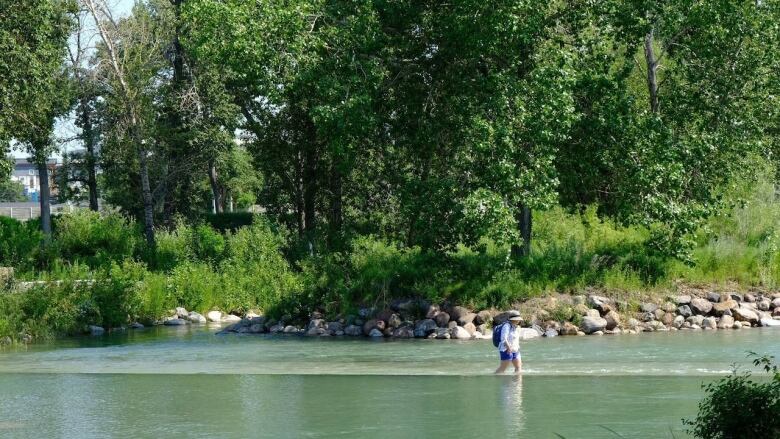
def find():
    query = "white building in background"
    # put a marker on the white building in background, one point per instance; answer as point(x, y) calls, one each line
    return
point(26, 173)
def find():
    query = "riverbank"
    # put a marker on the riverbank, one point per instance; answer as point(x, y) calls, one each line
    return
point(690, 309)
point(560, 315)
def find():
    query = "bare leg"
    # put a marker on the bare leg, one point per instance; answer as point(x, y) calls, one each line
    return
point(502, 367)
point(517, 364)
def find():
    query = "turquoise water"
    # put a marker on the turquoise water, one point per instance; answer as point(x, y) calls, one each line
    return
point(190, 383)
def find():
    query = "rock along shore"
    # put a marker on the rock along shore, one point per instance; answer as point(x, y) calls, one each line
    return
point(545, 317)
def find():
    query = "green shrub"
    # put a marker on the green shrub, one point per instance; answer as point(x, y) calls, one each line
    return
point(116, 293)
point(738, 406)
point(255, 272)
point(57, 307)
point(96, 239)
point(174, 248)
point(154, 297)
point(195, 286)
point(208, 244)
point(19, 243)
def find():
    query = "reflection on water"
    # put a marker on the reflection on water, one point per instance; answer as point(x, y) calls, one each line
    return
point(512, 402)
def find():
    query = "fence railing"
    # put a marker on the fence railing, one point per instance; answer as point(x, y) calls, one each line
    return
point(24, 213)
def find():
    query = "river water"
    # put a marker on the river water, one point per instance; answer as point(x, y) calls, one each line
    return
point(190, 382)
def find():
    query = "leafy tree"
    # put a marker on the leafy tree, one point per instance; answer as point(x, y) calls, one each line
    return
point(34, 92)
point(11, 190)
point(673, 96)
point(130, 52)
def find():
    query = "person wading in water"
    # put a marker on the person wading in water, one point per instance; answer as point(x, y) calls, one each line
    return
point(508, 335)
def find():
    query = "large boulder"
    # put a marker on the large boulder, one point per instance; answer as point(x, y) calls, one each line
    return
point(667, 319)
point(701, 306)
point(659, 314)
point(353, 330)
point(684, 310)
point(442, 334)
point(591, 324)
point(403, 332)
point(431, 311)
point(764, 305)
point(335, 327)
point(713, 297)
point(749, 298)
point(423, 328)
point(230, 318)
point(669, 307)
point(709, 323)
point(442, 319)
point(726, 322)
point(569, 329)
point(463, 319)
point(385, 314)
point(776, 302)
point(375, 333)
point(484, 317)
point(678, 322)
point(394, 321)
point(770, 322)
point(613, 320)
point(529, 333)
point(683, 299)
point(735, 296)
point(724, 307)
point(290, 329)
point(278, 328)
point(373, 324)
point(695, 320)
point(195, 317)
point(471, 328)
point(745, 315)
point(214, 316)
point(648, 307)
point(600, 303)
point(96, 330)
point(460, 333)
point(181, 312)
point(456, 312)
point(315, 324)
point(593, 313)
point(175, 322)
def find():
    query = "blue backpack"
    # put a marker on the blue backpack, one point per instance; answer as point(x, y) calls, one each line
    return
point(497, 334)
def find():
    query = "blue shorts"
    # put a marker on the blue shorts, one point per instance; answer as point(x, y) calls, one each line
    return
point(507, 357)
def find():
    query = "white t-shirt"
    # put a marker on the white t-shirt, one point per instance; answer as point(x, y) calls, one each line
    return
point(509, 337)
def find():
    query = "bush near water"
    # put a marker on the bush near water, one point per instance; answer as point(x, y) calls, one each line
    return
point(97, 270)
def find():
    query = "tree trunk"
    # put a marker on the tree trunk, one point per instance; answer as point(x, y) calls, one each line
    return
point(336, 203)
point(218, 206)
point(146, 190)
point(43, 175)
point(524, 222)
point(652, 71)
point(309, 189)
point(88, 136)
